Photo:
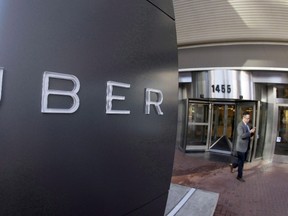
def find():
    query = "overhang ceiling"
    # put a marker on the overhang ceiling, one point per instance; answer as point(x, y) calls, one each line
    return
point(226, 21)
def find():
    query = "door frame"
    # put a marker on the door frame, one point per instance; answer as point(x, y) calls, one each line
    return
point(256, 136)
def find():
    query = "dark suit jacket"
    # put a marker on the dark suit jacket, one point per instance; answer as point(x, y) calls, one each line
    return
point(243, 137)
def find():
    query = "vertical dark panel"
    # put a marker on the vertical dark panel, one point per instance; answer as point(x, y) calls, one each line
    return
point(87, 162)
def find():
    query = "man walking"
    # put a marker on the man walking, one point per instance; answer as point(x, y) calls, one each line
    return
point(242, 142)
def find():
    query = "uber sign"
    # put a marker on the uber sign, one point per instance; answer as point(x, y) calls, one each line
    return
point(76, 100)
point(88, 107)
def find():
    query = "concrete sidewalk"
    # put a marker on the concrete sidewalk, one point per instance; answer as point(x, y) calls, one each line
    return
point(183, 201)
point(265, 192)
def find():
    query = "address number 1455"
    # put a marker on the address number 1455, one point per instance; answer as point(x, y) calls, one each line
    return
point(221, 88)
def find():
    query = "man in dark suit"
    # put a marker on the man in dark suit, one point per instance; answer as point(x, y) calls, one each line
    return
point(242, 142)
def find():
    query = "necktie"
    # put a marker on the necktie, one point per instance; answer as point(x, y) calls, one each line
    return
point(248, 129)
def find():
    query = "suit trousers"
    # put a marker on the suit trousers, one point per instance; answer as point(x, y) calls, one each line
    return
point(240, 163)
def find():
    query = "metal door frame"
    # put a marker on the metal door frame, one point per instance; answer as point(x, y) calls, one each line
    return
point(256, 136)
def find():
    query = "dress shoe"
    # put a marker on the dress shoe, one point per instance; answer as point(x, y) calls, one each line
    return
point(240, 179)
point(231, 167)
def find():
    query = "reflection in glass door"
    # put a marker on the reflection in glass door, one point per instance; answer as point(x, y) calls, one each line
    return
point(222, 129)
point(198, 126)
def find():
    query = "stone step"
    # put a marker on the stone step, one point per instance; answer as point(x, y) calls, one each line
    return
point(185, 201)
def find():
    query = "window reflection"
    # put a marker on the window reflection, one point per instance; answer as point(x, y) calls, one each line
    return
point(282, 92)
point(198, 113)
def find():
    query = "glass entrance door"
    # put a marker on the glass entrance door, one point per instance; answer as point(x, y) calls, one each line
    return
point(225, 118)
point(197, 126)
point(222, 128)
point(281, 147)
point(213, 126)
point(252, 108)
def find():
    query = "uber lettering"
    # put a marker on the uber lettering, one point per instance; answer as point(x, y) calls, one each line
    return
point(110, 97)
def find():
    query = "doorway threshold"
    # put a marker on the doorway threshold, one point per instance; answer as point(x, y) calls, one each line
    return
point(280, 158)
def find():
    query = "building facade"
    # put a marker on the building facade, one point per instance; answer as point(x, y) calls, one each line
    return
point(232, 58)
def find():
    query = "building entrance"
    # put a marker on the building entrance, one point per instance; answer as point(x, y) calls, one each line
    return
point(222, 128)
point(281, 147)
point(212, 126)
point(225, 118)
point(198, 126)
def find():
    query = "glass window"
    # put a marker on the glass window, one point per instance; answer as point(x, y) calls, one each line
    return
point(197, 134)
point(282, 92)
point(198, 113)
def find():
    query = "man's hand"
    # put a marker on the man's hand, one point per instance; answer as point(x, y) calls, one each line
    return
point(253, 130)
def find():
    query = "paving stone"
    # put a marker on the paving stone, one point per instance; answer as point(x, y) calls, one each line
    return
point(263, 194)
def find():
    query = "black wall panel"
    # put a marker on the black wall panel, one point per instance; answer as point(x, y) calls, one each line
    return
point(87, 162)
point(165, 6)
